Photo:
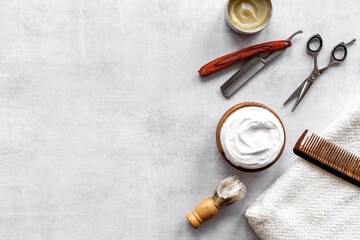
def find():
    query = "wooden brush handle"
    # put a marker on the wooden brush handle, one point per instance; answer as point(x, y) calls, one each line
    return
point(203, 212)
point(234, 57)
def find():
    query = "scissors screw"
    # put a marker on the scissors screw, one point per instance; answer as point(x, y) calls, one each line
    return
point(313, 77)
point(286, 44)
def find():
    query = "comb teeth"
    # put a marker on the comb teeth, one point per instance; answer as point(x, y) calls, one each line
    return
point(330, 157)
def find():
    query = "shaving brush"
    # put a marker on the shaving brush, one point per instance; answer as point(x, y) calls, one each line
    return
point(229, 191)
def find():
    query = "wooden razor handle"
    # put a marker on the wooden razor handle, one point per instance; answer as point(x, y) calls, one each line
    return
point(234, 57)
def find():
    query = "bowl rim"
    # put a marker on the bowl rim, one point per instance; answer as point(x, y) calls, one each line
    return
point(222, 121)
point(241, 31)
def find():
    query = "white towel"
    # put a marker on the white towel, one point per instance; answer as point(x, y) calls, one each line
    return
point(307, 202)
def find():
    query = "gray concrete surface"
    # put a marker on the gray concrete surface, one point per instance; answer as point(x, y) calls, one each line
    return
point(107, 130)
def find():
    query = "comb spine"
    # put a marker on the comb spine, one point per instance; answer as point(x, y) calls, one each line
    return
point(329, 157)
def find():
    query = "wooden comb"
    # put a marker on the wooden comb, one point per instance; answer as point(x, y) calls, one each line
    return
point(329, 157)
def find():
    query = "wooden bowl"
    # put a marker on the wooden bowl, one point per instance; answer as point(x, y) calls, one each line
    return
point(222, 121)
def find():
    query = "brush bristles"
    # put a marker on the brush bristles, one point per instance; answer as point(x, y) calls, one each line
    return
point(230, 190)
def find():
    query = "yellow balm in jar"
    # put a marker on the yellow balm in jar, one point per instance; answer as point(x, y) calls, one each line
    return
point(248, 16)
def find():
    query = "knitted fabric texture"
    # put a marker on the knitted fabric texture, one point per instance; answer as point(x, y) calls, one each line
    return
point(307, 202)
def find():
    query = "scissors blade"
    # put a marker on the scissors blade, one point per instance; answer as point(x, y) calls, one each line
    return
point(242, 76)
point(304, 90)
point(296, 93)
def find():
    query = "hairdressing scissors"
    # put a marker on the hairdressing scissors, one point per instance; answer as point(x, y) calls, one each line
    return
point(338, 55)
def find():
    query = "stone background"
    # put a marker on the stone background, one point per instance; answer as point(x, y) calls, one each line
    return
point(107, 130)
